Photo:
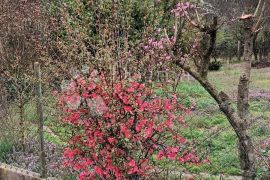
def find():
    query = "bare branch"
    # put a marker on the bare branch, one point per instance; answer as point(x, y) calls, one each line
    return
point(259, 21)
point(257, 9)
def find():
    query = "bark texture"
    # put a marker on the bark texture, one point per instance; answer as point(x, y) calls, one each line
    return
point(246, 149)
point(239, 51)
point(212, 32)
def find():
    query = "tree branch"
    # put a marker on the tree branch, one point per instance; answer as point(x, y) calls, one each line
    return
point(224, 106)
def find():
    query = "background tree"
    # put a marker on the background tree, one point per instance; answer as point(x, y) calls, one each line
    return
point(240, 120)
point(22, 42)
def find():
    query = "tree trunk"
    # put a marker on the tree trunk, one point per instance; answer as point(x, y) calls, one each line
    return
point(246, 149)
point(242, 99)
point(243, 87)
point(260, 55)
point(212, 32)
point(255, 55)
point(247, 157)
point(239, 51)
point(255, 50)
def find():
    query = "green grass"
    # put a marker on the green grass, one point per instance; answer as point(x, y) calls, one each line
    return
point(5, 148)
point(222, 148)
point(227, 79)
point(191, 89)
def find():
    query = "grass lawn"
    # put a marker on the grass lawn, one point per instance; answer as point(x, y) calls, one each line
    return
point(227, 79)
point(209, 128)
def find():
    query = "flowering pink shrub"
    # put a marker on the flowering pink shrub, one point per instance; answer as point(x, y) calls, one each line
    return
point(182, 9)
point(160, 47)
point(121, 128)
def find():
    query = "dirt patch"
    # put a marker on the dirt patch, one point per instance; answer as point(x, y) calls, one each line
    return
point(254, 95)
point(257, 95)
point(260, 64)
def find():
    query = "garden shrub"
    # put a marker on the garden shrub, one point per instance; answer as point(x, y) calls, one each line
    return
point(215, 65)
point(120, 128)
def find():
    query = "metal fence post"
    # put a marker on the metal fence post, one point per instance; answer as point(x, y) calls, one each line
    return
point(38, 91)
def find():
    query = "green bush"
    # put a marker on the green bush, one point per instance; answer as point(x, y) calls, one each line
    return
point(215, 65)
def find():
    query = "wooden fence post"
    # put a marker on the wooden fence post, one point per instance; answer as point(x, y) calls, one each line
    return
point(40, 119)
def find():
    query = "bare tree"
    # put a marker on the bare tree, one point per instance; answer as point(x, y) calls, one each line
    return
point(241, 119)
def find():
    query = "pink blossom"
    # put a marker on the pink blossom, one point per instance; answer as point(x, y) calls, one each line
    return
point(160, 154)
point(98, 170)
point(73, 101)
point(97, 105)
point(128, 108)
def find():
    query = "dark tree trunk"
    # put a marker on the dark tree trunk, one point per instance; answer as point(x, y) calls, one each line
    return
point(255, 49)
point(212, 32)
point(239, 51)
point(260, 55)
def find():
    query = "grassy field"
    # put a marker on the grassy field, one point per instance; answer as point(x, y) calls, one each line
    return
point(227, 79)
point(209, 128)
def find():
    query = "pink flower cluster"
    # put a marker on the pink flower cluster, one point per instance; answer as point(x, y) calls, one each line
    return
point(159, 49)
point(131, 127)
point(181, 9)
